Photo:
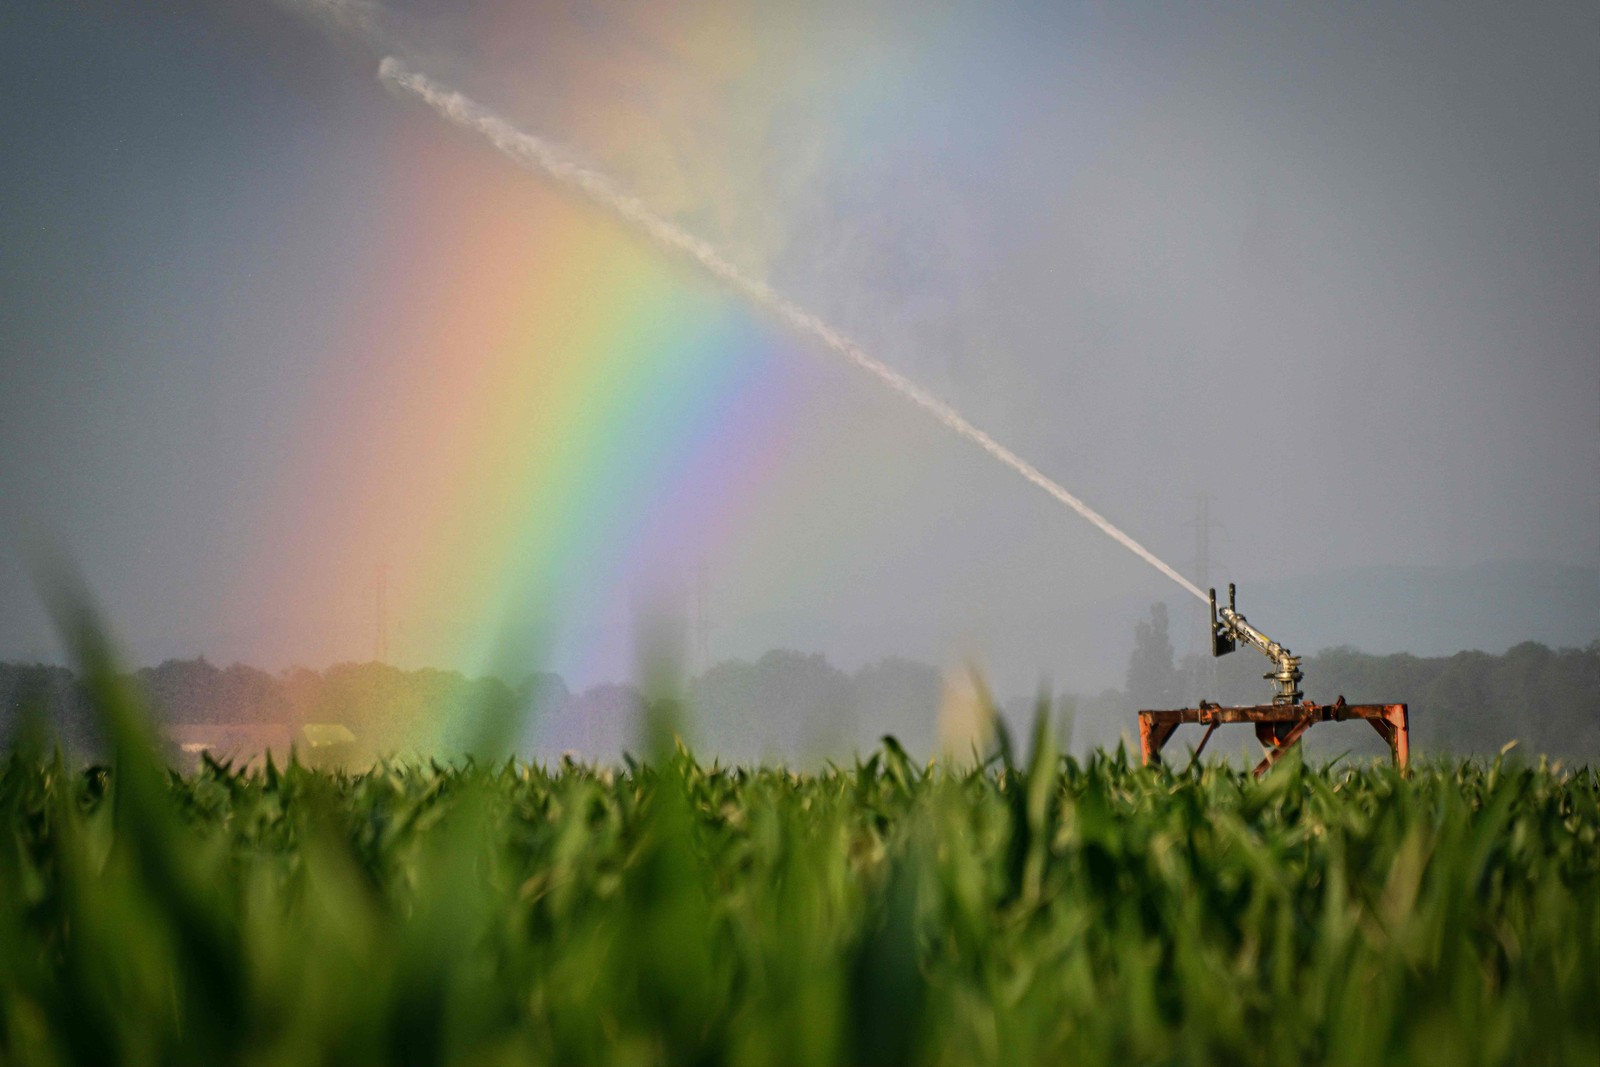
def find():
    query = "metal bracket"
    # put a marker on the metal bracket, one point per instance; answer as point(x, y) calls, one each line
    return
point(1222, 641)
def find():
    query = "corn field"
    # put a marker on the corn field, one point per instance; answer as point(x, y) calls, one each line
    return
point(1036, 908)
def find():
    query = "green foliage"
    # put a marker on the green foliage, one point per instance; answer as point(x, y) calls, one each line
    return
point(1038, 909)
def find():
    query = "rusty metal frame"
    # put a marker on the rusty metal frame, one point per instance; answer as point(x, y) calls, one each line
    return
point(1279, 727)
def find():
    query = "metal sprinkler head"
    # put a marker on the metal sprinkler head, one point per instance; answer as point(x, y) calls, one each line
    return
point(1229, 628)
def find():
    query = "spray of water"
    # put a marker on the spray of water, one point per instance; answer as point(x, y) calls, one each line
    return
point(538, 155)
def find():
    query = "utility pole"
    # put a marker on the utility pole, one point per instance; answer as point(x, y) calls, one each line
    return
point(702, 619)
point(381, 612)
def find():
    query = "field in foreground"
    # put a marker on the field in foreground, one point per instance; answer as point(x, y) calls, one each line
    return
point(1036, 910)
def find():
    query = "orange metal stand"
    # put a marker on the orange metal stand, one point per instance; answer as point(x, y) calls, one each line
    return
point(1279, 727)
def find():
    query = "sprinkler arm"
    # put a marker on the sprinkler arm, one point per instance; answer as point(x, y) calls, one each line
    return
point(1229, 628)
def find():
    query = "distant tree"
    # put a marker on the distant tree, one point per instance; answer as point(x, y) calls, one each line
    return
point(899, 697)
point(1153, 681)
point(784, 703)
point(52, 696)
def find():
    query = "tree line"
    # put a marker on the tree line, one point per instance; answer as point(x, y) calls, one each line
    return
point(790, 705)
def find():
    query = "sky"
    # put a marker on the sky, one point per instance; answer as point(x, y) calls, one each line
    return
point(297, 373)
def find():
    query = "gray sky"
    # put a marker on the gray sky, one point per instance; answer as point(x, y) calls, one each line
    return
point(1335, 266)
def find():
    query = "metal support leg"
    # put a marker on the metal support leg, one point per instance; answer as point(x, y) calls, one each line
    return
point(1152, 739)
point(1283, 737)
point(1202, 746)
point(1395, 729)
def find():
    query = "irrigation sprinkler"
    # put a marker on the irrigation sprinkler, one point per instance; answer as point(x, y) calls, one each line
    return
point(1280, 724)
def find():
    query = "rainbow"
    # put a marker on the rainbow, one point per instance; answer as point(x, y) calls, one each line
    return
point(542, 413)
point(533, 412)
